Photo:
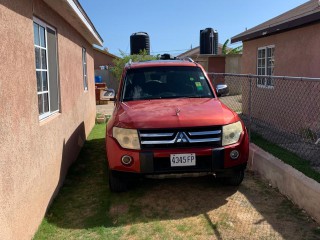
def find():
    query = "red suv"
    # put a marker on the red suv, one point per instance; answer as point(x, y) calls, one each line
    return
point(168, 120)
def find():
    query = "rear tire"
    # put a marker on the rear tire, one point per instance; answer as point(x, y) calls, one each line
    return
point(236, 179)
point(117, 182)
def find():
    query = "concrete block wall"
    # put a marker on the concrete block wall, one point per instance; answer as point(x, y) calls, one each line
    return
point(302, 190)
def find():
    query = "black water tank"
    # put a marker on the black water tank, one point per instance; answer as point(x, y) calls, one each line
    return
point(208, 41)
point(138, 42)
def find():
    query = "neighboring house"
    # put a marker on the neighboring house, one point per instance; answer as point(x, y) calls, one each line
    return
point(287, 45)
point(103, 63)
point(194, 52)
point(102, 58)
point(211, 63)
point(215, 63)
point(47, 104)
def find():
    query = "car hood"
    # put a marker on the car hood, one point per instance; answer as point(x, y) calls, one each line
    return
point(173, 113)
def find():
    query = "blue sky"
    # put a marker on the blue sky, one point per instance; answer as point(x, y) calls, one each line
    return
point(174, 25)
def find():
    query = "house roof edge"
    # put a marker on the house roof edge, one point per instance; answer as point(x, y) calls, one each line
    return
point(305, 14)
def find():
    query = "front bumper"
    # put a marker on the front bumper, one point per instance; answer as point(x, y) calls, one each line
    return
point(150, 163)
point(157, 161)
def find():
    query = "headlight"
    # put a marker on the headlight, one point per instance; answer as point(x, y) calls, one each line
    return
point(127, 138)
point(231, 133)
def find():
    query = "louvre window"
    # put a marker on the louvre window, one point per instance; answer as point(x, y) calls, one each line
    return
point(45, 48)
point(265, 66)
point(84, 66)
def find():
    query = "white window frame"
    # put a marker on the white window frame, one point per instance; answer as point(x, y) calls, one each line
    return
point(84, 69)
point(265, 82)
point(45, 26)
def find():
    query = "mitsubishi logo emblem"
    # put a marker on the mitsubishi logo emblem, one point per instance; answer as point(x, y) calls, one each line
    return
point(181, 138)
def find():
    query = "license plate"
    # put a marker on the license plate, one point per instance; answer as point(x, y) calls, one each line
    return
point(181, 160)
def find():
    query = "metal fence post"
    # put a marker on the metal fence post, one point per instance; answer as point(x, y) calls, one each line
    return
point(250, 105)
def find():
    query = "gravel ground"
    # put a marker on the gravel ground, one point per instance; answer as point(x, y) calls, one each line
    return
point(105, 109)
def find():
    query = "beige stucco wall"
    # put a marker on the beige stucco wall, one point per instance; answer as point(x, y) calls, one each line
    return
point(296, 52)
point(34, 155)
point(108, 78)
point(292, 106)
point(302, 190)
point(101, 59)
point(233, 63)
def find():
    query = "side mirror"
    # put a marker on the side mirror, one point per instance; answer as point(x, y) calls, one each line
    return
point(222, 90)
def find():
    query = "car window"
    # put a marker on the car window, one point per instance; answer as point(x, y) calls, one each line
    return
point(165, 82)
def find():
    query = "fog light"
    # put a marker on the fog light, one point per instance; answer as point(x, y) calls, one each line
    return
point(234, 154)
point(126, 160)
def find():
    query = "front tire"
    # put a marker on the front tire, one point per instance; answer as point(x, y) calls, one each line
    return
point(236, 179)
point(117, 183)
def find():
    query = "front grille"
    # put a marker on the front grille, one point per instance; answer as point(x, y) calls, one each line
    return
point(180, 138)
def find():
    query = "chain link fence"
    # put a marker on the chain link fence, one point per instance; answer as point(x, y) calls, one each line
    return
point(282, 110)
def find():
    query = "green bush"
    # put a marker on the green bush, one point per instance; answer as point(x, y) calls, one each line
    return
point(121, 62)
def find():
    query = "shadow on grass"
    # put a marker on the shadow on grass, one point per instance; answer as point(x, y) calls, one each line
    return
point(84, 199)
point(85, 202)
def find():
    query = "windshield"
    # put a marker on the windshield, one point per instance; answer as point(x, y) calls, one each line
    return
point(165, 82)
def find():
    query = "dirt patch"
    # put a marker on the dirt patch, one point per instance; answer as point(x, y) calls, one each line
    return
point(105, 109)
point(202, 209)
point(118, 210)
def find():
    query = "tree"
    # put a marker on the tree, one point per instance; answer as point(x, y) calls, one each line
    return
point(226, 50)
point(121, 62)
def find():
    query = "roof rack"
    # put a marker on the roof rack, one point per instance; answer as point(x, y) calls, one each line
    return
point(167, 56)
point(188, 59)
point(128, 64)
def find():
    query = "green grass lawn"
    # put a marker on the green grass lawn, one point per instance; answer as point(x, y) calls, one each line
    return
point(189, 208)
point(84, 199)
point(286, 156)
